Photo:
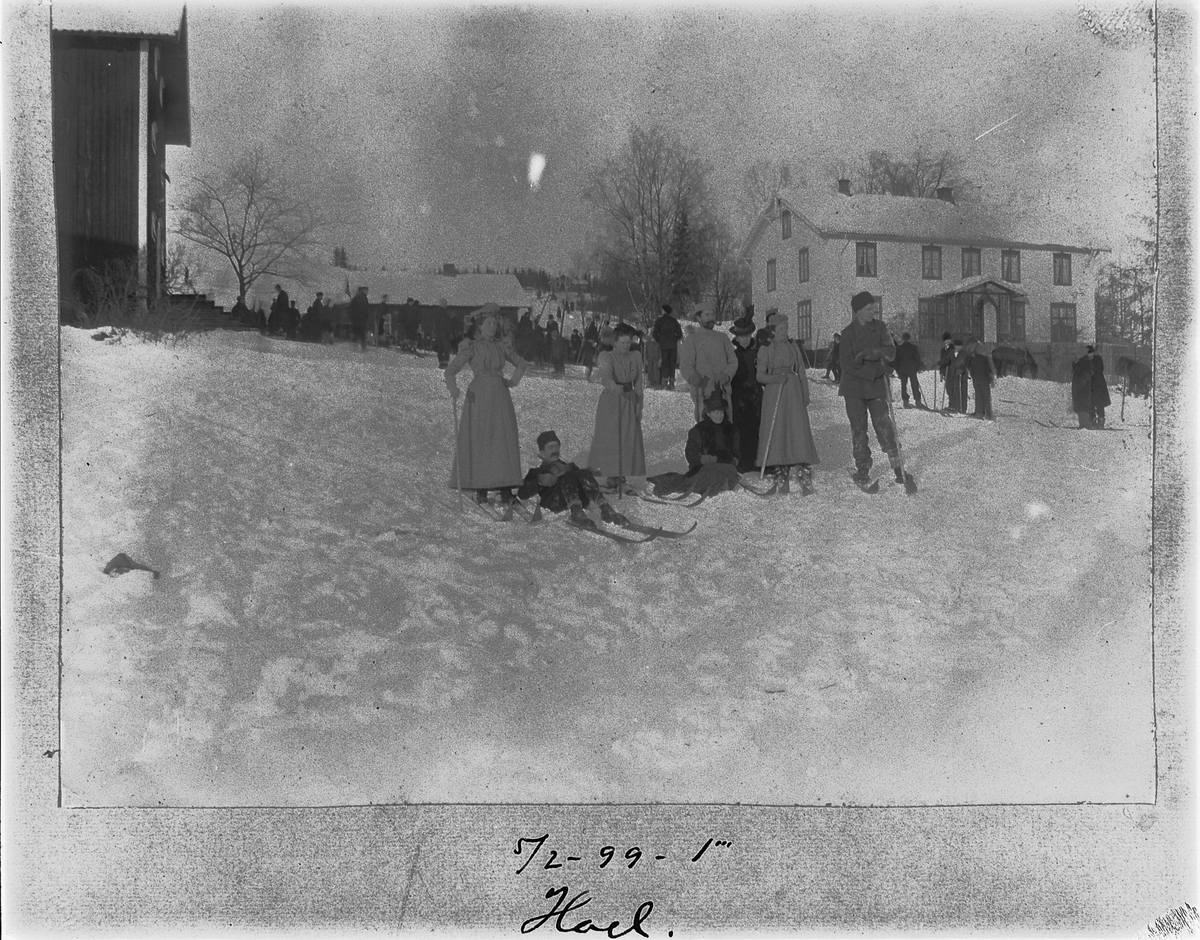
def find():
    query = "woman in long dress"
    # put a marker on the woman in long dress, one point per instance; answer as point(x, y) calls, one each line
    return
point(617, 449)
point(784, 427)
point(488, 451)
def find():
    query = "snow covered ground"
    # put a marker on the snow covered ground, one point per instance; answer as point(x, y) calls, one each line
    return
point(328, 628)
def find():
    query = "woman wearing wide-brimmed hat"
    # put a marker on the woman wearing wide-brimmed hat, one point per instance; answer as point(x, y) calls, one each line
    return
point(617, 449)
point(488, 451)
point(745, 392)
point(784, 435)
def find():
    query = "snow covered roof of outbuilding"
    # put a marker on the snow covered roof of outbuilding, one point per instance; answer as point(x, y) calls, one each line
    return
point(465, 290)
point(907, 218)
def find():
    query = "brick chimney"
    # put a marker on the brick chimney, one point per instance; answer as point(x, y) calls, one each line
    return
point(844, 187)
point(946, 194)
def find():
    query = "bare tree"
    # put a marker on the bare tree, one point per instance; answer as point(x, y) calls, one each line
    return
point(641, 194)
point(727, 279)
point(918, 174)
point(249, 215)
point(763, 181)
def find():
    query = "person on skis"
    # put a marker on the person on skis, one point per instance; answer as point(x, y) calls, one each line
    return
point(561, 485)
point(866, 351)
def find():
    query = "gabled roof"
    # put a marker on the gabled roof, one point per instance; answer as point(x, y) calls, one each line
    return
point(876, 217)
point(144, 21)
point(981, 280)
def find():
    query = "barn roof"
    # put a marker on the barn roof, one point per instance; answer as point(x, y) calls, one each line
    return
point(167, 24)
point(875, 217)
point(465, 290)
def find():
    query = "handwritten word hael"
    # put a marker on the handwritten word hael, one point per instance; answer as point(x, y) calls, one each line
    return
point(632, 855)
point(564, 906)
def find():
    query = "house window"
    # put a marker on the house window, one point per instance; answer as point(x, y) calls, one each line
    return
point(865, 260)
point(1010, 323)
point(785, 223)
point(1010, 266)
point(770, 274)
point(1062, 322)
point(803, 266)
point(933, 317)
point(970, 262)
point(931, 262)
point(804, 320)
point(1062, 269)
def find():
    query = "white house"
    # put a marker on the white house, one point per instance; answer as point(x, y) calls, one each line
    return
point(935, 264)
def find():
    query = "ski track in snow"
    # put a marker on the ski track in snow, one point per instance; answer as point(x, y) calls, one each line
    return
point(328, 627)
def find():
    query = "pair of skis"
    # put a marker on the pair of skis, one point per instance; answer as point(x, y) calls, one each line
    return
point(649, 533)
point(778, 489)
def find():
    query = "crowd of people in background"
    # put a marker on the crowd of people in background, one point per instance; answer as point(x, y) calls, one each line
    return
point(749, 389)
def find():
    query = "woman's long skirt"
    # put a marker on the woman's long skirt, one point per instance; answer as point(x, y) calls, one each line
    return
point(488, 455)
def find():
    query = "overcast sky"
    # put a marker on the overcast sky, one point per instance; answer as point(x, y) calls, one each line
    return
point(422, 119)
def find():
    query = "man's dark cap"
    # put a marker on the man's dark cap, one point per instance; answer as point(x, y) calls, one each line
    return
point(860, 300)
point(666, 308)
point(545, 438)
point(957, 342)
point(945, 336)
point(905, 336)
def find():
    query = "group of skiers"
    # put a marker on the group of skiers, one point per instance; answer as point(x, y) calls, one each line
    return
point(750, 397)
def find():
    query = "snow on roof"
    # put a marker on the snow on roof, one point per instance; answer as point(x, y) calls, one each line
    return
point(465, 290)
point(109, 19)
point(908, 218)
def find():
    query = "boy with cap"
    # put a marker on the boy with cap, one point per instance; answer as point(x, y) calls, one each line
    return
point(561, 485)
point(866, 352)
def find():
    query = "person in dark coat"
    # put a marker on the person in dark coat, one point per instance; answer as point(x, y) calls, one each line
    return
point(559, 349)
point(576, 345)
point(953, 366)
point(907, 364)
point(945, 354)
point(833, 365)
point(1081, 389)
point(291, 321)
point(560, 485)
point(979, 367)
point(523, 336)
point(279, 308)
point(866, 349)
point(746, 393)
point(712, 452)
point(1100, 397)
point(667, 333)
point(310, 326)
point(360, 313)
point(240, 311)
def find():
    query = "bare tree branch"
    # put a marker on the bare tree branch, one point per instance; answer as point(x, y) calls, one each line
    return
point(249, 216)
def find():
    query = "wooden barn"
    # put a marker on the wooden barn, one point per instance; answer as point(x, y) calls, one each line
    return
point(119, 91)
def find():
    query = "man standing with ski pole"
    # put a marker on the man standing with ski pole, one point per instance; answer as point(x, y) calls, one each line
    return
point(866, 351)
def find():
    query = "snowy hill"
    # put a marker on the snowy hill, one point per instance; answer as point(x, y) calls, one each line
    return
point(328, 628)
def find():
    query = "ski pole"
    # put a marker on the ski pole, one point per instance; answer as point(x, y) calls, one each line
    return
point(895, 430)
point(457, 454)
point(620, 449)
point(771, 432)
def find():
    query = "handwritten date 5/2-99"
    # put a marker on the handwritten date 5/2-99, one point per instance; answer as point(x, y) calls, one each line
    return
point(631, 856)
